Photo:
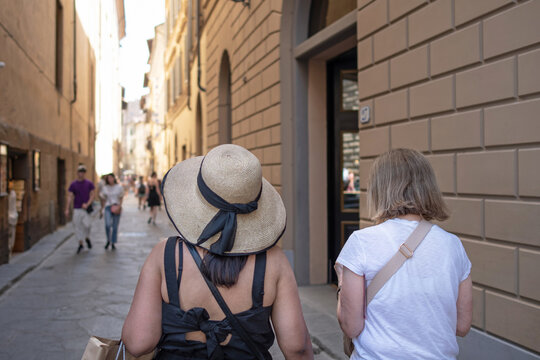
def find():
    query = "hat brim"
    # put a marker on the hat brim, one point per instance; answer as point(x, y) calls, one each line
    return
point(190, 212)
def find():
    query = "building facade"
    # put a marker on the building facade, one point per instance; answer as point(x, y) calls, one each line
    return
point(317, 89)
point(135, 131)
point(104, 22)
point(155, 105)
point(47, 114)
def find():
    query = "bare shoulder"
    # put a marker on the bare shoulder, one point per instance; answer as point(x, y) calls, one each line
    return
point(277, 261)
point(155, 258)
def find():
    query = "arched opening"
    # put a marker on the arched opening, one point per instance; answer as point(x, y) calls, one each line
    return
point(224, 106)
point(198, 129)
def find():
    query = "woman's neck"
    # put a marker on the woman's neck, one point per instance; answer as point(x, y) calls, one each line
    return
point(410, 217)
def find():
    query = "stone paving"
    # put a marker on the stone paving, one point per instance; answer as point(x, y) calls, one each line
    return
point(62, 298)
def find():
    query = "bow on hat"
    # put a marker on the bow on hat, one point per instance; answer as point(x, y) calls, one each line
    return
point(225, 220)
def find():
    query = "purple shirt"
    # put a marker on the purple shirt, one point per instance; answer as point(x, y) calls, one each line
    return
point(81, 190)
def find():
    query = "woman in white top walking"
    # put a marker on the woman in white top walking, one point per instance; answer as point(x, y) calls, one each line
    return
point(428, 301)
point(112, 194)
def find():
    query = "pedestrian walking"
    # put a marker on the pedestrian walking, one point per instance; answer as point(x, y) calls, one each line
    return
point(419, 289)
point(141, 194)
point(229, 215)
point(81, 194)
point(154, 197)
point(112, 194)
point(13, 217)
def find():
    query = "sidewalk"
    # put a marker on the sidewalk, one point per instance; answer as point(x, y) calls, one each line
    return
point(49, 287)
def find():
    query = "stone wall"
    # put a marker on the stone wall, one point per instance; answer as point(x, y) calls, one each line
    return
point(457, 80)
point(36, 113)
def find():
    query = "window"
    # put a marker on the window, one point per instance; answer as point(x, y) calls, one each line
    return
point(326, 12)
point(59, 45)
point(178, 75)
point(349, 90)
point(170, 93)
point(36, 161)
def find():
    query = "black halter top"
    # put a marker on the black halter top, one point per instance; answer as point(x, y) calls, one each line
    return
point(175, 322)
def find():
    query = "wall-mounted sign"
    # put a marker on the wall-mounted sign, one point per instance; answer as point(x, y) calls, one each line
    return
point(364, 115)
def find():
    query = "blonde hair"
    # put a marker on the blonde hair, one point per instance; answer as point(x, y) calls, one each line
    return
point(402, 182)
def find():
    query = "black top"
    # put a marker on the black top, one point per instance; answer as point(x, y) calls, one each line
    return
point(153, 196)
point(175, 322)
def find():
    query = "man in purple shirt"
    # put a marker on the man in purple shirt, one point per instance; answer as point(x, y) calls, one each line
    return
point(81, 193)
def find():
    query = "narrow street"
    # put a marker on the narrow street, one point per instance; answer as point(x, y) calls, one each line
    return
point(52, 311)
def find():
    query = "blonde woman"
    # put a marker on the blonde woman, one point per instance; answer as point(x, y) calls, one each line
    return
point(428, 300)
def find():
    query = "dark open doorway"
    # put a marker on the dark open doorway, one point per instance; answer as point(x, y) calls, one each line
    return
point(343, 153)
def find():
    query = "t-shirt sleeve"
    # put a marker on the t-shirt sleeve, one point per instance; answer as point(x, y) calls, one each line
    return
point(465, 262)
point(352, 255)
point(71, 188)
point(91, 186)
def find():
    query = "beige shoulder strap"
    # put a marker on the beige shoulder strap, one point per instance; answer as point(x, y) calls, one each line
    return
point(405, 252)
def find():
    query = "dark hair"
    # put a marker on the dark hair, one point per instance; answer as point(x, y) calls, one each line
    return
point(107, 179)
point(153, 174)
point(223, 270)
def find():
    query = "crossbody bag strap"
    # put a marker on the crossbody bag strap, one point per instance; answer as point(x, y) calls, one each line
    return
point(405, 252)
point(223, 305)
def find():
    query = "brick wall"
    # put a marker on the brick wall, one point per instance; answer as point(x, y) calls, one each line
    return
point(250, 35)
point(458, 80)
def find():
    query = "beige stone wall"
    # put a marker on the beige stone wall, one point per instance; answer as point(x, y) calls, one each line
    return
point(34, 114)
point(251, 38)
point(458, 80)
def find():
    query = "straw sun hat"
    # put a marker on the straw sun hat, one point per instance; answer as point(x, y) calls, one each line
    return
point(224, 195)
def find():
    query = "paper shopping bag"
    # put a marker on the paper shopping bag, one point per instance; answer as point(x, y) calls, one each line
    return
point(99, 348)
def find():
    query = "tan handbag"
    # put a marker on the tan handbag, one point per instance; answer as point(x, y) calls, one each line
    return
point(99, 348)
point(405, 252)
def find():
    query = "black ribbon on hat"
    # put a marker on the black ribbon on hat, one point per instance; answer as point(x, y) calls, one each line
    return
point(225, 220)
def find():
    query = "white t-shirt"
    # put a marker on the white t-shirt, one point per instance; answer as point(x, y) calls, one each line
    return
point(112, 194)
point(414, 315)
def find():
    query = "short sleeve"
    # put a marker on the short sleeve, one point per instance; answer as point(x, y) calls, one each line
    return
point(465, 269)
point(91, 186)
point(71, 188)
point(352, 255)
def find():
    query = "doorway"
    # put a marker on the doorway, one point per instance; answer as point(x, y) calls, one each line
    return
point(18, 174)
point(343, 154)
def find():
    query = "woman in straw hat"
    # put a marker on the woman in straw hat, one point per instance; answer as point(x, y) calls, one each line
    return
point(422, 272)
point(227, 214)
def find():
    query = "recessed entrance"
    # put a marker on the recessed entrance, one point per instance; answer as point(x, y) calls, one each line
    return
point(343, 154)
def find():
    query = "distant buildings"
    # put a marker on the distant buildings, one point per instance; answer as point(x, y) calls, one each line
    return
point(52, 96)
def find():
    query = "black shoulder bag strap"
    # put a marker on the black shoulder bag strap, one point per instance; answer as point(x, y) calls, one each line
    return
point(232, 319)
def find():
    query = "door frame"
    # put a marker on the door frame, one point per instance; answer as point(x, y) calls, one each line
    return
point(305, 248)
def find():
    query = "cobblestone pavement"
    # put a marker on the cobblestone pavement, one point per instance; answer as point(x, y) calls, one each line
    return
point(52, 311)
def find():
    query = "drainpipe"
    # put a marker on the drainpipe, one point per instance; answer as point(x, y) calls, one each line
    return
point(188, 51)
point(74, 74)
point(199, 47)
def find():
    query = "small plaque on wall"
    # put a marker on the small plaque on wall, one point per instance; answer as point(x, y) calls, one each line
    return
point(364, 115)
